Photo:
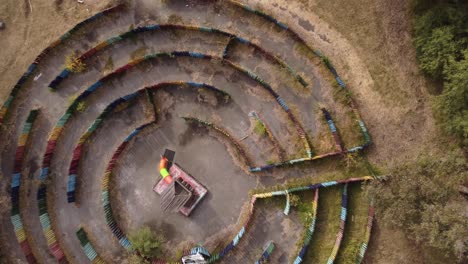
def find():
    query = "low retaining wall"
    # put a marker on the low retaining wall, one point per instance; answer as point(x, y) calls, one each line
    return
point(155, 27)
point(339, 236)
point(310, 230)
point(78, 150)
point(88, 248)
point(239, 148)
point(15, 216)
point(121, 237)
point(370, 221)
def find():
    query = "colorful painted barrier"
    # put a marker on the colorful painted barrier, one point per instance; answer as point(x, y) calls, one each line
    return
point(334, 131)
point(37, 60)
point(267, 251)
point(330, 67)
point(267, 54)
point(88, 248)
point(370, 221)
point(45, 220)
point(236, 144)
point(281, 102)
point(133, 63)
point(173, 54)
point(301, 160)
point(44, 216)
point(155, 27)
point(15, 216)
point(310, 230)
point(123, 240)
point(217, 256)
point(57, 131)
point(226, 48)
point(352, 104)
point(78, 150)
point(235, 241)
point(339, 236)
point(82, 96)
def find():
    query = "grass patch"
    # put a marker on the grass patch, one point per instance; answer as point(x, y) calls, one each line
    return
point(304, 208)
point(302, 49)
point(175, 19)
point(81, 105)
point(138, 53)
point(327, 62)
point(259, 128)
point(109, 66)
point(356, 224)
point(74, 64)
point(327, 225)
point(305, 212)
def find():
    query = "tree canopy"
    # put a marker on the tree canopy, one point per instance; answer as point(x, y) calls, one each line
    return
point(422, 198)
point(441, 40)
point(145, 243)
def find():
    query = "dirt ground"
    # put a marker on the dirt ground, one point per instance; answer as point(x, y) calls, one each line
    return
point(369, 41)
point(31, 25)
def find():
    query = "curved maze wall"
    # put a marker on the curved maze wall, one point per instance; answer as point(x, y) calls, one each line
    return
point(267, 99)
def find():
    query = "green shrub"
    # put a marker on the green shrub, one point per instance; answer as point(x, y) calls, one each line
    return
point(109, 65)
point(259, 128)
point(452, 104)
point(306, 217)
point(441, 40)
point(146, 243)
point(81, 106)
point(138, 53)
point(327, 62)
point(294, 200)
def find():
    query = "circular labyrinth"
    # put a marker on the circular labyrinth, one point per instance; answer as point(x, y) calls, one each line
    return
point(244, 101)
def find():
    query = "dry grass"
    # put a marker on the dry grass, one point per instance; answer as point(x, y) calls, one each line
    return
point(351, 20)
point(327, 225)
point(109, 66)
point(138, 53)
point(35, 32)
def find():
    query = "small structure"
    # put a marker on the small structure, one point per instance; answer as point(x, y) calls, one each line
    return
point(176, 195)
point(179, 191)
point(198, 255)
point(2, 25)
